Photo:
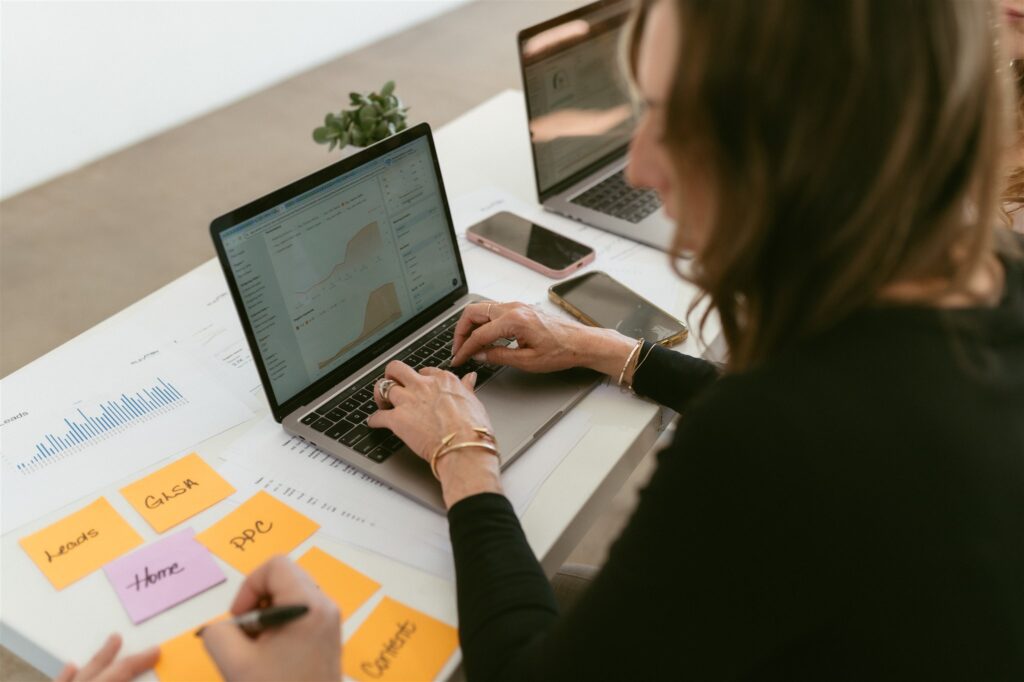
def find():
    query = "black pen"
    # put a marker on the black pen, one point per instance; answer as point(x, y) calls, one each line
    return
point(254, 622)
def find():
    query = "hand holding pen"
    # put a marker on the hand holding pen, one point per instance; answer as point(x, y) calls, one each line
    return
point(298, 639)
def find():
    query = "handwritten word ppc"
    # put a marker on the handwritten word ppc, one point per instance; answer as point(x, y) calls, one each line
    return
point(249, 534)
point(261, 527)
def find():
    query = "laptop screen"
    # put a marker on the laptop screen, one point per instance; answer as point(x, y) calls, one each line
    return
point(324, 275)
point(577, 98)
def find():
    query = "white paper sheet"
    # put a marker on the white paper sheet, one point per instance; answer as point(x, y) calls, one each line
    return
point(205, 325)
point(355, 508)
point(112, 402)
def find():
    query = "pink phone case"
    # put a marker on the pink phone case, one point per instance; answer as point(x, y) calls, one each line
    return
point(523, 260)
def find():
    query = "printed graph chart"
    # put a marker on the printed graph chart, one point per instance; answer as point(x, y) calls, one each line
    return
point(102, 420)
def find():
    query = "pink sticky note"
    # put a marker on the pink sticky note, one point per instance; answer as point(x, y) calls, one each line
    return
point(162, 574)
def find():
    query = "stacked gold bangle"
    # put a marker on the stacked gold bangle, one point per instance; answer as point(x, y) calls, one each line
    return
point(446, 446)
point(634, 360)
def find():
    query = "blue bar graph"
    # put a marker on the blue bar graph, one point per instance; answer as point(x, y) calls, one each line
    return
point(101, 419)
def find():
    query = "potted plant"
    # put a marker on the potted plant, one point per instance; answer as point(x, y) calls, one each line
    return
point(370, 118)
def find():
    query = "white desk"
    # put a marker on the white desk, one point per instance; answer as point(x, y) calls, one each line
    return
point(486, 147)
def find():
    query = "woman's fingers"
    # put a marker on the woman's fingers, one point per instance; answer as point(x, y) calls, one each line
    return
point(482, 337)
point(130, 667)
point(67, 674)
point(469, 381)
point(280, 580)
point(103, 657)
point(473, 315)
point(401, 372)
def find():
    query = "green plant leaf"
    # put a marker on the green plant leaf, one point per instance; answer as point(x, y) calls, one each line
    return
point(381, 131)
point(388, 88)
point(343, 140)
point(320, 135)
point(400, 127)
point(367, 116)
point(331, 147)
point(355, 98)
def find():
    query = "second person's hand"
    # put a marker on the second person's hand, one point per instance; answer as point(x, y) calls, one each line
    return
point(308, 648)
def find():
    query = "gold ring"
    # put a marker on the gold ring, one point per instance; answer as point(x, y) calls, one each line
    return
point(489, 310)
point(384, 387)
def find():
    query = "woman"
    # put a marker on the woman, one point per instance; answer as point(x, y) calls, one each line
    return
point(847, 501)
point(1013, 38)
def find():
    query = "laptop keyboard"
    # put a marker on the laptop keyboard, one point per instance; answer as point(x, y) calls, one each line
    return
point(614, 196)
point(343, 417)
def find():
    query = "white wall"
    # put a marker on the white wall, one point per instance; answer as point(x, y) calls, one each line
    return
point(79, 80)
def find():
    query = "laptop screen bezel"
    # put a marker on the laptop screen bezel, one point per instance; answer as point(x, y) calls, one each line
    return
point(521, 38)
point(229, 220)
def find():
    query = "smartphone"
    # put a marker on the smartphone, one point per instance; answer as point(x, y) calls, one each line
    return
point(597, 299)
point(529, 244)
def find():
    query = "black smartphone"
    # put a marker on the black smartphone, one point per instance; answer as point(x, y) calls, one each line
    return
point(597, 299)
point(530, 244)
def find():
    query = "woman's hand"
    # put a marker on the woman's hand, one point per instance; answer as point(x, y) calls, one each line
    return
point(426, 406)
point(308, 648)
point(545, 343)
point(103, 667)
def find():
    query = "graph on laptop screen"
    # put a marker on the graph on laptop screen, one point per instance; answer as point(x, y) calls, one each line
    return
point(324, 275)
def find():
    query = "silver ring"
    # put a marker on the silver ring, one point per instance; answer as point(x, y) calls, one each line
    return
point(384, 387)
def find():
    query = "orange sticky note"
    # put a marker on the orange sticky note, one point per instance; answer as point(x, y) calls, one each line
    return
point(344, 585)
point(176, 492)
point(80, 543)
point(398, 643)
point(185, 658)
point(261, 527)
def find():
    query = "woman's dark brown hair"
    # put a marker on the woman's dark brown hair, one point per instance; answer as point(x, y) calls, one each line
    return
point(850, 144)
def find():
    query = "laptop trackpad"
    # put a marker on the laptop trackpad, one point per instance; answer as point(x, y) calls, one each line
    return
point(522, 405)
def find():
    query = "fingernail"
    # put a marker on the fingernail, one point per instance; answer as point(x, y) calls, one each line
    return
point(480, 357)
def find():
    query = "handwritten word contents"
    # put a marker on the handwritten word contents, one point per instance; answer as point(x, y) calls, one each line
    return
point(177, 492)
point(261, 527)
point(398, 643)
point(80, 543)
point(185, 658)
point(161, 574)
point(344, 585)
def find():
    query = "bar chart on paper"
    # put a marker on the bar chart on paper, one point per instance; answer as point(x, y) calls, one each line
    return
point(99, 415)
point(93, 423)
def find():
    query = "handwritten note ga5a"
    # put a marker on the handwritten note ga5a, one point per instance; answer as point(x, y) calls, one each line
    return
point(80, 543)
point(177, 492)
point(261, 527)
point(398, 643)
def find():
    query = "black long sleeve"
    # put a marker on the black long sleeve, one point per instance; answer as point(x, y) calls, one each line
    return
point(852, 510)
point(671, 379)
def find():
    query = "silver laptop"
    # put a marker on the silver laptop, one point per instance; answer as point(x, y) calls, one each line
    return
point(347, 269)
point(581, 120)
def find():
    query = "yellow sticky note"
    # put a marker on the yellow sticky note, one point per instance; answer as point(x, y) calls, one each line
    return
point(344, 585)
point(261, 527)
point(185, 658)
point(80, 543)
point(176, 492)
point(398, 643)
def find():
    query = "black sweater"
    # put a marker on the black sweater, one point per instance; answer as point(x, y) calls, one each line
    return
point(853, 509)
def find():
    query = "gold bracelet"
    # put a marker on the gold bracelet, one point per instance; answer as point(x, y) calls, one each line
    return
point(461, 446)
point(640, 364)
point(629, 358)
point(481, 431)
